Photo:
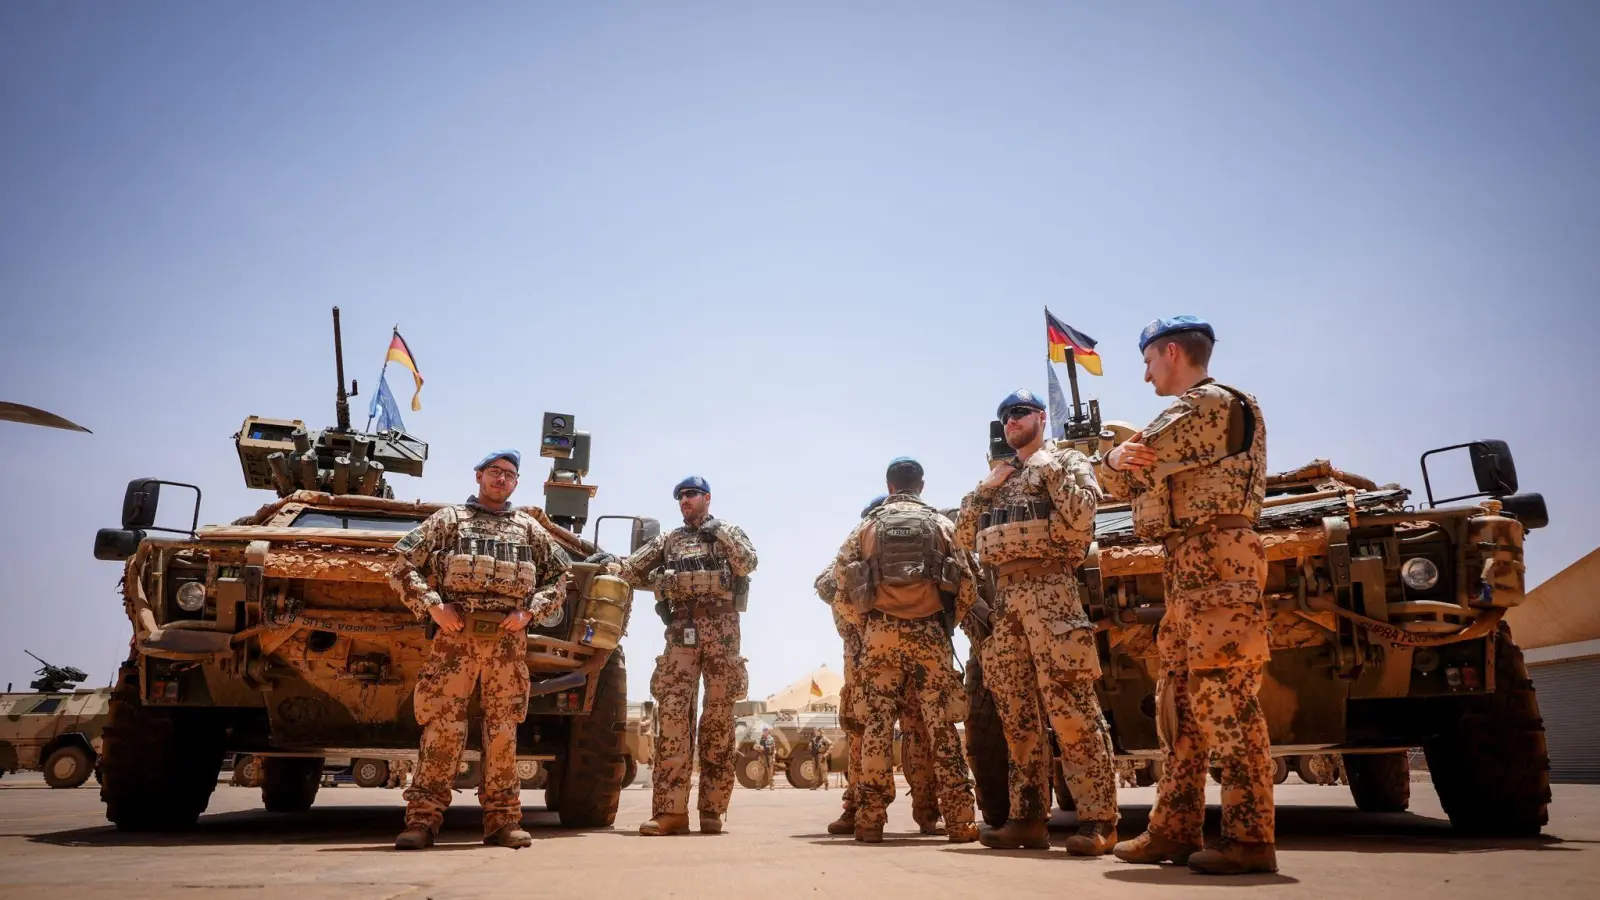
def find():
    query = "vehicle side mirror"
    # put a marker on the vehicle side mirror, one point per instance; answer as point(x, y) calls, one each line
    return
point(1493, 467)
point(644, 531)
point(1528, 508)
point(140, 502)
point(116, 544)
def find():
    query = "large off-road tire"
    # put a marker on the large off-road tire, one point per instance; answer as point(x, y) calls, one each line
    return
point(1280, 769)
point(803, 771)
point(1146, 774)
point(987, 753)
point(158, 766)
point(750, 768)
point(469, 777)
point(369, 773)
point(67, 767)
point(1302, 768)
point(591, 773)
point(533, 776)
point(1379, 782)
point(1488, 759)
point(289, 783)
point(630, 771)
point(247, 771)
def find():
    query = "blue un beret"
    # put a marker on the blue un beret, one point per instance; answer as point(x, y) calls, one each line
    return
point(513, 455)
point(693, 481)
point(903, 463)
point(876, 502)
point(1160, 328)
point(1019, 397)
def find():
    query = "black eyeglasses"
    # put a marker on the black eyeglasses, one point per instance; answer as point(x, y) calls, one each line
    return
point(1018, 412)
point(690, 492)
point(501, 474)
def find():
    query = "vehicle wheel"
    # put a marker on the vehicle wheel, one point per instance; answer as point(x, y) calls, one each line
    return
point(803, 772)
point(247, 771)
point(1379, 782)
point(1147, 774)
point(1302, 768)
point(469, 776)
point(591, 773)
point(369, 773)
point(1489, 760)
point(986, 749)
point(289, 783)
point(1280, 770)
point(750, 767)
point(533, 776)
point(629, 772)
point(159, 766)
point(67, 767)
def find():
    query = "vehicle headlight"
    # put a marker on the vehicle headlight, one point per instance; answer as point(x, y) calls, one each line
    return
point(192, 597)
point(1419, 574)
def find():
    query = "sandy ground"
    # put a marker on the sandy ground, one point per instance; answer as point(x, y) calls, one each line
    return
point(57, 843)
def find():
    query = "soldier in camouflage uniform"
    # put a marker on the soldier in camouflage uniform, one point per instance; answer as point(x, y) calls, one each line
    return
point(914, 732)
point(1196, 478)
point(906, 586)
point(1031, 521)
point(481, 571)
point(699, 572)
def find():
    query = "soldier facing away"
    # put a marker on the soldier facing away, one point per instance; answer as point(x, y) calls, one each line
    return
point(1031, 521)
point(1196, 478)
point(481, 571)
point(699, 573)
point(907, 585)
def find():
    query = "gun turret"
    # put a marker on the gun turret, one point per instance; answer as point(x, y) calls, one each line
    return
point(282, 455)
point(55, 679)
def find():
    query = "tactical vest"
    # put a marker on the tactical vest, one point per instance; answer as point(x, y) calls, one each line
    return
point(693, 569)
point(1021, 522)
point(491, 556)
point(908, 566)
point(1232, 486)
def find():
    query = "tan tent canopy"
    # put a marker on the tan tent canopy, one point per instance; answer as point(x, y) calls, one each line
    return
point(1562, 609)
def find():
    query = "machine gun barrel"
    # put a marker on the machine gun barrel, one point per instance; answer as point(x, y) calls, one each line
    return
point(342, 407)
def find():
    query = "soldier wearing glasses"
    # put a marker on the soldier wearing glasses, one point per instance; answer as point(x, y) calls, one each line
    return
point(1031, 521)
point(700, 573)
point(481, 571)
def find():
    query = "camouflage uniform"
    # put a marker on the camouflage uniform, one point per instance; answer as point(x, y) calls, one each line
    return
point(905, 664)
point(693, 574)
point(1202, 497)
point(1041, 661)
point(430, 569)
point(914, 731)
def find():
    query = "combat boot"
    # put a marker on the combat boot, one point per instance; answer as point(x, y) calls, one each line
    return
point(1151, 848)
point(930, 826)
point(710, 823)
point(1017, 835)
point(666, 823)
point(509, 836)
point(1092, 839)
point(964, 833)
point(869, 834)
point(1230, 857)
point(845, 824)
point(415, 837)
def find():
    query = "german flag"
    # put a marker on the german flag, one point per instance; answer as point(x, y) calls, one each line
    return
point(400, 353)
point(1064, 337)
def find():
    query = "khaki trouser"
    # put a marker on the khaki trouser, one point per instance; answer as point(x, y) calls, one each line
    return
point(714, 657)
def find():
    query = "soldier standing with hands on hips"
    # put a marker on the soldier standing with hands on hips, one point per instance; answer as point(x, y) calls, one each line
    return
point(481, 571)
point(700, 574)
point(1196, 478)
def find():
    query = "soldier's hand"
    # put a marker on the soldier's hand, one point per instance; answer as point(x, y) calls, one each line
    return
point(997, 476)
point(448, 615)
point(709, 527)
point(517, 621)
point(1131, 454)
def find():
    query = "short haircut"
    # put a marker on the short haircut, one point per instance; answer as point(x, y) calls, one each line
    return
point(904, 476)
point(1192, 344)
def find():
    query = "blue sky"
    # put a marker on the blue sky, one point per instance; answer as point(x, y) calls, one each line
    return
point(775, 246)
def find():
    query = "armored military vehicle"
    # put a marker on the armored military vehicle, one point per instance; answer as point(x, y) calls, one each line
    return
point(791, 733)
point(1386, 636)
point(639, 739)
point(55, 728)
point(279, 634)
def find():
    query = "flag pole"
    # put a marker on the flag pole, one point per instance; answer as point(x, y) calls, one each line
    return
point(384, 371)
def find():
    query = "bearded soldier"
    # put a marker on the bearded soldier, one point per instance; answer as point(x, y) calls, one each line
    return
point(700, 573)
point(1196, 478)
point(481, 571)
point(1031, 521)
point(914, 743)
point(907, 586)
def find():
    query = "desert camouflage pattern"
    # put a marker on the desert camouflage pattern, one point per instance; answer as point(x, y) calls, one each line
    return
point(418, 571)
point(914, 739)
point(685, 548)
point(1040, 661)
point(1213, 641)
point(906, 662)
point(457, 663)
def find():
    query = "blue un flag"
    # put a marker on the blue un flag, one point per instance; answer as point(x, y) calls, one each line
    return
point(384, 409)
point(1059, 414)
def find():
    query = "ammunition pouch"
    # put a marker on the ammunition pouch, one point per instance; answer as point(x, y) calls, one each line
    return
point(695, 577)
point(857, 585)
point(664, 611)
point(950, 576)
point(500, 568)
point(947, 613)
point(1023, 529)
point(741, 592)
point(1221, 489)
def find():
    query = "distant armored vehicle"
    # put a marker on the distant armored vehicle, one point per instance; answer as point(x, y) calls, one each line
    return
point(639, 739)
point(55, 729)
point(791, 732)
